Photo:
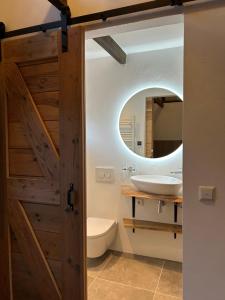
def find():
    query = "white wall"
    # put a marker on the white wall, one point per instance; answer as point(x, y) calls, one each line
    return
point(204, 153)
point(23, 13)
point(109, 85)
point(135, 110)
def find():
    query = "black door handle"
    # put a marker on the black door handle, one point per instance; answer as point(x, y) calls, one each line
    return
point(70, 205)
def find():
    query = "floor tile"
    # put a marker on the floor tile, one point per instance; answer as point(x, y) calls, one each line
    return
point(106, 290)
point(141, 272)
point(165, 297)
point(171, 279)
point(96, 265)
point(89, 280)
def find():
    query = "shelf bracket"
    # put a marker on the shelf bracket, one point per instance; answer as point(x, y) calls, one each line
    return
point(133, 210)
point(175, 217)
point(176, 2)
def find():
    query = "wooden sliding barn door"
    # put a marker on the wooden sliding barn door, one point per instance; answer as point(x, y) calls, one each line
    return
point(44, 209)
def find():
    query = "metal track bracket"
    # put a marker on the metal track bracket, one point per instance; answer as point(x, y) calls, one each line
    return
point(65, 18)
point(176, 2)
point(2, 34)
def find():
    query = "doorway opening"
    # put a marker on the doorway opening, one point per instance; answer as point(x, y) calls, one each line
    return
point(134, 88)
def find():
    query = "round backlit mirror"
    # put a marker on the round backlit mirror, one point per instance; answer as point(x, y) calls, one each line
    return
point(151, 123)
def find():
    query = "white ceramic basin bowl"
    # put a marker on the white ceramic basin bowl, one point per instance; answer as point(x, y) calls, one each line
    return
point(157, 184)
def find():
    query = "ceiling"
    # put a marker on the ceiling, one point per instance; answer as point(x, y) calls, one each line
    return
point(143, 40)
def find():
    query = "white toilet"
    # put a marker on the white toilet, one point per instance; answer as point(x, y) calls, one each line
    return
point(100, 235)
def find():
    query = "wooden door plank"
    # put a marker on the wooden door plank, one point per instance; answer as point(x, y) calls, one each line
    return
point(41, 78)
point(18, 138)
point(47, 98)
point(72, 166)
point(31, 48)
point(5, 263)
point(47, 105)
point(33, 190)
point(24, 286)
point(39, 68)
point(41, 84)
point(23, 282)
point(44, 218)
point(48, 113)
point(50, 242)
point(23, 162)
point(32, 252)
point(20, 268)
point(36, 131)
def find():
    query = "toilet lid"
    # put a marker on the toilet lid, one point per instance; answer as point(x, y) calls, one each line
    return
point(98, 226)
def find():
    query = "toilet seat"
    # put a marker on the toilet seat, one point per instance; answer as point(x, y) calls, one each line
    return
point(97, 227)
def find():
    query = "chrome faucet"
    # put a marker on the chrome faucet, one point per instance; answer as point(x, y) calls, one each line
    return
point(177, 172)
point(129, 169)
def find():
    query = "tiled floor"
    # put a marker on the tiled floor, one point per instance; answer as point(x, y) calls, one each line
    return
point(125, 277)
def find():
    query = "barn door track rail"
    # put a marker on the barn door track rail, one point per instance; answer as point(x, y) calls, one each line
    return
point(66, 19)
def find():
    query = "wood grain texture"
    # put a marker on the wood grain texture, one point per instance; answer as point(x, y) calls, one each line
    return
point(42, 77)
point(30, 48)
point(23, 282)
point(148, 225)
point(18, 139)
point(33, 190)
point(47, 105)
point(72, 167)
point(5, 261)
point(44, 218)
point(45, 97)
point(23, 162)
point(24, 286)
point(36, 131)
point(50, 242)
point(30, 247)
point(19, 265)
point(129, 191)
point(110, 45)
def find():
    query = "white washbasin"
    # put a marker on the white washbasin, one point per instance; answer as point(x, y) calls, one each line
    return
point(157, 184)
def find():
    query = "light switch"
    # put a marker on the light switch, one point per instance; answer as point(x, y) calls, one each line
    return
point(207, 193)
point(105, 175)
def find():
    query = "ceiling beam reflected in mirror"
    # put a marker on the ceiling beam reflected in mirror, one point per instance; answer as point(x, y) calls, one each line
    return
point(111, 46)
point(163, 100)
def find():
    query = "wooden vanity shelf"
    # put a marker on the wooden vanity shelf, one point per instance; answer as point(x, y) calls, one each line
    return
point(139, 224)
point(129, 191)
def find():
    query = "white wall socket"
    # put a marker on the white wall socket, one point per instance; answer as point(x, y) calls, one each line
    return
point(206, 193)
point(106, 175)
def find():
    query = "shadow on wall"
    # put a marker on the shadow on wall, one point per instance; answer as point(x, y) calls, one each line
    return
point(19, 14)
point(52, 15)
